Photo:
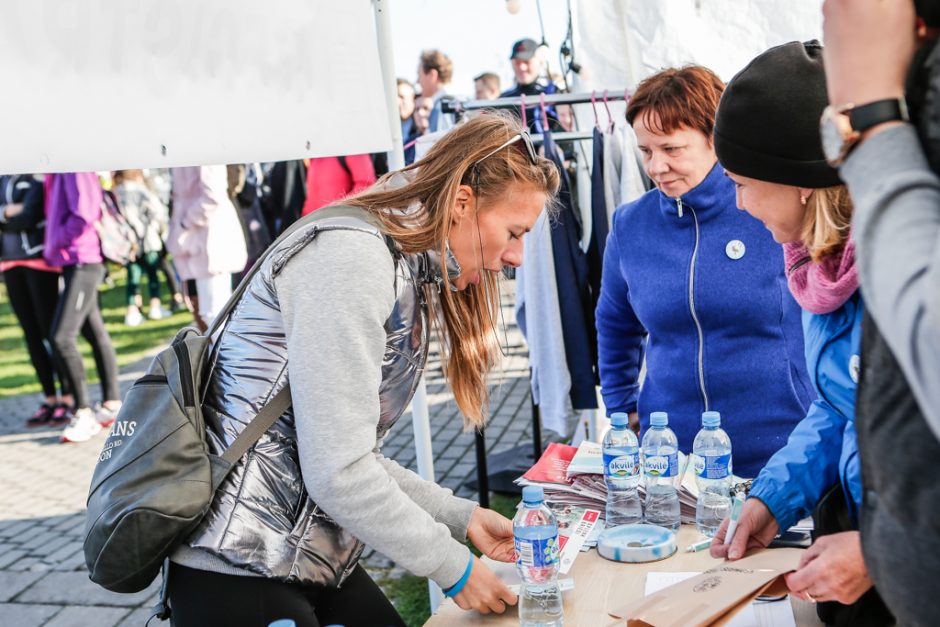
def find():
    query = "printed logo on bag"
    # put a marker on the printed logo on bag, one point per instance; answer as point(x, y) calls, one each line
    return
point(707, 584)
point(122, 428)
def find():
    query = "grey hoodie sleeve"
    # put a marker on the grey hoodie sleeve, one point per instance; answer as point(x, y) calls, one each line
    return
point(335, 296)
point(896, 228)
point(439, 502)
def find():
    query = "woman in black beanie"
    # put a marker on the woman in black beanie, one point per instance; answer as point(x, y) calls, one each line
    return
point(767, 138)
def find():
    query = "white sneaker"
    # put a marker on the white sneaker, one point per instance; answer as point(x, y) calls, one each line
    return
point(106, 416)
point(83, 426)
point(158, 312)
point(133, 318)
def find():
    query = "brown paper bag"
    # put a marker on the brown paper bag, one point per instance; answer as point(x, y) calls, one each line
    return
point(716, 595)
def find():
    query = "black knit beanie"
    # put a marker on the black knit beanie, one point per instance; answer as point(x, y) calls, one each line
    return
point(767, 124)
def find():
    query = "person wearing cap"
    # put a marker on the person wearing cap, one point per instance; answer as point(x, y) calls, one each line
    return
point(528, 68)
point(767, 139)
point(695, 290)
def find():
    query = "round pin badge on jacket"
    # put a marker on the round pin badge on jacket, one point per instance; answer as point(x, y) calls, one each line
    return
point(735, 249)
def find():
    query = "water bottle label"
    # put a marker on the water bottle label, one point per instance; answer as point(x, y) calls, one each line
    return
point(713, 466)
point(622, 466)
point(540, 553)
point(662, 465)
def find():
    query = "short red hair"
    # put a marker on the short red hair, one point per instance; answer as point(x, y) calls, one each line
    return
point(684, 97)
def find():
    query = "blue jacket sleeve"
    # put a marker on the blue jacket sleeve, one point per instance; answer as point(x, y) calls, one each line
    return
point(796, 477)
point(620, 335)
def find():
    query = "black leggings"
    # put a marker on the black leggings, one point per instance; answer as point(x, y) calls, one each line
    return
point(200, 598)
point(33, 296)
point(78, 310)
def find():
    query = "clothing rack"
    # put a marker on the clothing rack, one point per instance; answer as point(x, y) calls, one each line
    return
point(510, 464)
point(459, 107)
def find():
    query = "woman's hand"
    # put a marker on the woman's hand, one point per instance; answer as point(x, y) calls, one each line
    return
point(832, 569)
point(484, 591)
point(756, 528)
point(491, 533)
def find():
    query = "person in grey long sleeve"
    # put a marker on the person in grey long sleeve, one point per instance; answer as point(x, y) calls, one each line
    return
point(870, 45)
point(896, 225)
point(341, 310)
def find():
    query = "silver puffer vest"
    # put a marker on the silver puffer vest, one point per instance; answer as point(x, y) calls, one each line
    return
point(262, 518)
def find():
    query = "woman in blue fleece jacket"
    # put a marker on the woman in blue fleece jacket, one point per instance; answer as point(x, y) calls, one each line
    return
point(783, 181)
point(698, 288)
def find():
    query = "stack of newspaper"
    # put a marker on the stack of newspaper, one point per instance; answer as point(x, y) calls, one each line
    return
point(574, 477)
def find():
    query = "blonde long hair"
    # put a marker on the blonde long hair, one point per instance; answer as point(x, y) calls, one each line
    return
point(418, 216)
point(827, 221)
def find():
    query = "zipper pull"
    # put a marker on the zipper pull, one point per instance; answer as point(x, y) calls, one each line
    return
point(679, 206)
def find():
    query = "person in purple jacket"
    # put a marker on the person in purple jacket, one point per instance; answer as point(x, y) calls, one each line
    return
point(696, 288)
point(73, 206)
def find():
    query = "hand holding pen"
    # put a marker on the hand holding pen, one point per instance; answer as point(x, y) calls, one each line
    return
point(756, 527)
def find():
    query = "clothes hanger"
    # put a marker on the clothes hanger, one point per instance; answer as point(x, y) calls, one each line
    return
point(597, 124)
point(610, 118)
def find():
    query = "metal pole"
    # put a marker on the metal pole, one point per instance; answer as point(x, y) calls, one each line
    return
point(453, 106)
point(396, 161)
point(536, 427)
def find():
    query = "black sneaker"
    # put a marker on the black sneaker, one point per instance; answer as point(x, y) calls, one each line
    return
point(42, 417)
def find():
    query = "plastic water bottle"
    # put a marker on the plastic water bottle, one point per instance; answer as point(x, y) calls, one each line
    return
point(536, 537)
point(660, 469)
point(622, 473)
point(712, 459)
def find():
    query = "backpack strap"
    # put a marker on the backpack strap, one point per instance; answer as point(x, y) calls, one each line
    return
point(320, 214)
point(268, 415)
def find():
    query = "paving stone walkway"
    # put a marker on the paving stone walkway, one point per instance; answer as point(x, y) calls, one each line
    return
point(43, 486)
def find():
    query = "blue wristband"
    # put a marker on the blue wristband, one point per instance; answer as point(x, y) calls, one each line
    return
point(455, 589)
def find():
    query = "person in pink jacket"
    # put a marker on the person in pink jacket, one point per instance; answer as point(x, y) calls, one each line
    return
point(205, 237)
point(332, 178)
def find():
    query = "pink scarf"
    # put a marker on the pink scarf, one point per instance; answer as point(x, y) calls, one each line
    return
point(822, 287)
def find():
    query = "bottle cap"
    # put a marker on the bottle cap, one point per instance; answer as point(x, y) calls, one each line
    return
point(533, 494)
point(711, 419)
point(619, 420)
point(659, 419)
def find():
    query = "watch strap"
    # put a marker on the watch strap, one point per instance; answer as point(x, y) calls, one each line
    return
point(865, 116)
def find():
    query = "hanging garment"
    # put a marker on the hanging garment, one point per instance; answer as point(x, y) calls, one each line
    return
point(633, 181)
point(574, 291)
point(600, 223)
point(539, 319)
point(613, 166)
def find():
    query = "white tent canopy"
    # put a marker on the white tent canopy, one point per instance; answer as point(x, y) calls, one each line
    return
point(156, 83)
point(620, 42)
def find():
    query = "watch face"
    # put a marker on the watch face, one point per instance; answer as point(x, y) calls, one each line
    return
point(836, 135)
point(831, 139)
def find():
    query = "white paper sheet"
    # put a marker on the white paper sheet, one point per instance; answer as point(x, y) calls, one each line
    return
point(757, 614)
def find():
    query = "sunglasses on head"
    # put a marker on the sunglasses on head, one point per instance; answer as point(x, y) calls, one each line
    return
point(529, 147)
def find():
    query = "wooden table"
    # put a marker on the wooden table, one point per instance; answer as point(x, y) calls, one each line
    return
point(602, 585)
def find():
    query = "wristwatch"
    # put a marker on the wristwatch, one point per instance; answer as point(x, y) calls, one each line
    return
point(841, 127)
